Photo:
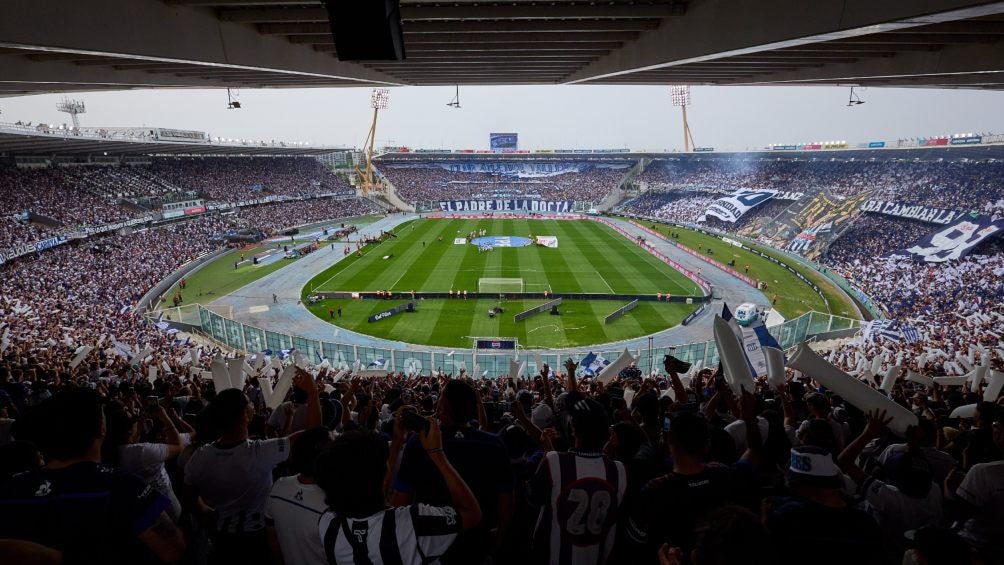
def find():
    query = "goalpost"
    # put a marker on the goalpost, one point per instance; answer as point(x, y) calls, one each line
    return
point(500, 286)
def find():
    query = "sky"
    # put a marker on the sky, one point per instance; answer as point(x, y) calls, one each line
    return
point(545, 117)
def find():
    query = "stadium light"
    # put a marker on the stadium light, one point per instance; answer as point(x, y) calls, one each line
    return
point(379, 98)
point(72, 107)
point(679, 94)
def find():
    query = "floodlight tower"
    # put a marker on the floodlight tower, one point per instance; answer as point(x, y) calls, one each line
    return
point(680, 95)
point(72, 107)
point(378, 101)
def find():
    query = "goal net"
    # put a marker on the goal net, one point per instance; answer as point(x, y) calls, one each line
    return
point(500, 286)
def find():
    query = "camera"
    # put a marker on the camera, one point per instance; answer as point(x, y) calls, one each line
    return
point(152, 404)
point(504, 407)
point(412, 421)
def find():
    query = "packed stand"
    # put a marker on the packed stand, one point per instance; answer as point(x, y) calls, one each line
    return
point(236, 179)
point(950, 185)
point(873, 236)
point(953, 305)
point(677, 206)
point(674, 469)
point(49, 192)
point(272, 218)
point(420, 184)
point(133, 183)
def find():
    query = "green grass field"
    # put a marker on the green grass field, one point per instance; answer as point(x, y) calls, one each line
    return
point(219, 278)
point(590, 258)
point(794, 297)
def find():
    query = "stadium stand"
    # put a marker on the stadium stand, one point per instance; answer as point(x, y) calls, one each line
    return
point(928, 297)
point(768, 476)
point(244, 178)
point(425, 182)
point(949, 184)
point(51, 193)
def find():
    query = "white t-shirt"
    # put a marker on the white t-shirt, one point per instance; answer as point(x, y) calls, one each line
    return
point(897, 512)
point(236, 481)
point(278, 417)
point(294, 508)
point(147, 461)
point(983, 487)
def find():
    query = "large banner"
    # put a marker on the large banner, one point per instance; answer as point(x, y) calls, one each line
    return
point(511, 169)
point(164, 134)
point(731, 208)
point(511, 205)
point(809, 225)
point(499, 141)
point(26, 248)
point(953, 241)
point(913, 212)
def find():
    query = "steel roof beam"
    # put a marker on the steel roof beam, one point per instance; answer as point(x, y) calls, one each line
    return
point(149, 30)
point(465, 12)
point(752, 27)
point(476, 26)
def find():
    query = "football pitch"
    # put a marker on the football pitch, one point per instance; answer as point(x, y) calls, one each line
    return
point(426, 257)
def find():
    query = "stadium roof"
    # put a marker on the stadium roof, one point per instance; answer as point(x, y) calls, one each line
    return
point(22, 141)
point(54, 45)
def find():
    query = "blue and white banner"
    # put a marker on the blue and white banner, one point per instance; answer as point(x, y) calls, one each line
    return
point(511, 205)
point(511, 169)
point(953, 241)
point(731, 208)
point(887, 330)
point(592, 364)
point(910, 334)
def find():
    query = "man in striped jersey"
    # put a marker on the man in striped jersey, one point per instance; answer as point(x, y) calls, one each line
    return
point(580, 493)
point(361, 529)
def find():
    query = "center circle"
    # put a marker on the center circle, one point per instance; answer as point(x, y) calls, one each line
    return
point(501, 241)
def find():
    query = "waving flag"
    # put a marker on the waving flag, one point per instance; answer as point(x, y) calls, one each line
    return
point(592, 364)
point(884, 329)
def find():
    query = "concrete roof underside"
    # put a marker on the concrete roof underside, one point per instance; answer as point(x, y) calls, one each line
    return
point(55, 46)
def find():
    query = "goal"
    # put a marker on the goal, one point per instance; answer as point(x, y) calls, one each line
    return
point(500, 286)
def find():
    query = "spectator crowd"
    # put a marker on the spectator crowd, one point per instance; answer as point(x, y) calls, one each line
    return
point(35, 200)
point(245, 178)
point(106, 464)
point(121, 443)
point(47, 192)
point(956, 185)
point(422, 182)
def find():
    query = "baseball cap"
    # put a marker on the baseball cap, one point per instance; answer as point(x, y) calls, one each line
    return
point(542, 416)
point(813, 466)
